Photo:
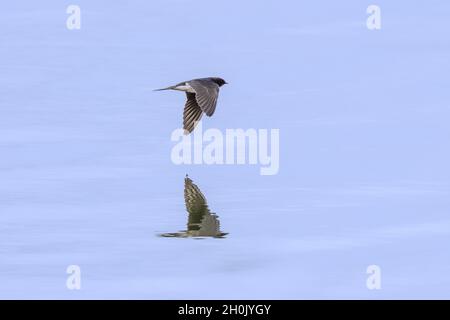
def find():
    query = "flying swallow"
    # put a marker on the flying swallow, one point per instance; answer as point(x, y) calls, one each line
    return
point(201, 96)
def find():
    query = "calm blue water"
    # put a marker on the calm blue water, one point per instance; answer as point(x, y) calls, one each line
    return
point(85, 171)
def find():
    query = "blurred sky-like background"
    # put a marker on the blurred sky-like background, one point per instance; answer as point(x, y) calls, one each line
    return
point(86, 176)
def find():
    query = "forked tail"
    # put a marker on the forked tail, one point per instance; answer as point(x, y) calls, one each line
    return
point(168, 88)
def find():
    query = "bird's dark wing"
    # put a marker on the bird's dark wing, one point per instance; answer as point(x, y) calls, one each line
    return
point(194, 199)
point(206, 94)
point(192, 113)
point(201, 221)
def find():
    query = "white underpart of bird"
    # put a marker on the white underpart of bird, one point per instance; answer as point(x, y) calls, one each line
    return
point(186, 88)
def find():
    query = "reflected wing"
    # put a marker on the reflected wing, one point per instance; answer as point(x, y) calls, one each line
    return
point(194, 199)
point(201, 221)
point(191, 114)
point(206, 94)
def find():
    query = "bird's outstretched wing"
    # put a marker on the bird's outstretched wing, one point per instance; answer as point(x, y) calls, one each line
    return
point(192, 113)
point(194, 199)
point(206, 94)
point(201, 222)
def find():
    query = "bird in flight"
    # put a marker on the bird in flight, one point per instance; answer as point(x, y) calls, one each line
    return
point(201, 96)
point(201, 221)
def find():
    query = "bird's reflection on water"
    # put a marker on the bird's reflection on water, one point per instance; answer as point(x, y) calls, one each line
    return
point(201, 221)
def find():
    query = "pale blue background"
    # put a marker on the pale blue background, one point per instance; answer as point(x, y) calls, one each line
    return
point(86, 176)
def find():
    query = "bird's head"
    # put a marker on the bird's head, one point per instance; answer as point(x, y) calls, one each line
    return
point(220, 82)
